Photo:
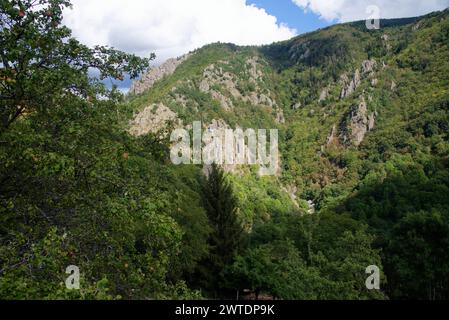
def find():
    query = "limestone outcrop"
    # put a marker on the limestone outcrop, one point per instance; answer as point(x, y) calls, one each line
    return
point(360, 123)
point(324, 94)
point(152, 119)
point(149, 79)
point(369, 66)
point(214, 76)
point(350, 85)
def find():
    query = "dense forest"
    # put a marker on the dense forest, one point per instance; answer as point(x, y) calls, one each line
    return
point(363, 119)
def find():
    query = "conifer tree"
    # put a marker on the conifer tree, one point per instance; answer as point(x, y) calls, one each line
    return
point(226, 238)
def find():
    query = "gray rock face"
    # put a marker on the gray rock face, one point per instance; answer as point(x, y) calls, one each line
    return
point(152, 119)
point(371, 121)
point(280, 118)
point(253, 68)
point(225, 102)
point(369, 66)
point(345, 82)
point(148, 80)
point(214, 75)
point(259, 99)
point(417, 26)
point(297, 106)
point(360, 122)
point(331, 137)
point(218, 129)
point(323, 95)
point(350, 85)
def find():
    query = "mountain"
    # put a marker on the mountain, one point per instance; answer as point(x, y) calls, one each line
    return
point(363, 120)
point(92, 205)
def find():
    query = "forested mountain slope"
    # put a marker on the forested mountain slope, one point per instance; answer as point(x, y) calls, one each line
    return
point(363, 176)
point(363, 116)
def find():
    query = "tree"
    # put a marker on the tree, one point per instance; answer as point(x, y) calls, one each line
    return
point(227, 233)
point(417, 256)
point(41, 65)
point(74, 185)
point(277, 269)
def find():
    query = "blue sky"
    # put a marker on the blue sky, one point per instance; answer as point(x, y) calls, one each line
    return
point(295, 17)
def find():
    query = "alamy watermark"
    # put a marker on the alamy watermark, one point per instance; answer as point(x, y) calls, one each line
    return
point(73, 280)
point(226, 147)
point(373, 281)
point(373, 20)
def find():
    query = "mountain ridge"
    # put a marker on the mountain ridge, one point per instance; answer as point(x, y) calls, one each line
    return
point(345, 99)
point(90, 182)
point(170, 64)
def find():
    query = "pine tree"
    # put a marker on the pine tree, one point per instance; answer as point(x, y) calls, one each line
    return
point(226, 238)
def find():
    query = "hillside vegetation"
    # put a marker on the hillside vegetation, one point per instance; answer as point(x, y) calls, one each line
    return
point(86, 177)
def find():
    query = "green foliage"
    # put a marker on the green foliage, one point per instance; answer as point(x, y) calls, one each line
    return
point(325, 259)
point(227, 234)
point(40, 273)
point(77, 189)
point(43, 67)
point(277, 269)
point(418, 246)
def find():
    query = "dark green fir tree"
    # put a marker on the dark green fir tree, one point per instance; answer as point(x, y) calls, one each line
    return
point(226, 239)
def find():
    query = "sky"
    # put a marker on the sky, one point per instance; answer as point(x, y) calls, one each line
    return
point(171, 28)
point(286, 11)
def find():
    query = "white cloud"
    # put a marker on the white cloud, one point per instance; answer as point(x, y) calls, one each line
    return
point(351, 10)
point(171, 27)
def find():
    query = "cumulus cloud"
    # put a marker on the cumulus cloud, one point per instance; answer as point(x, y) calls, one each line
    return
point(351, 10)
point(171, 28)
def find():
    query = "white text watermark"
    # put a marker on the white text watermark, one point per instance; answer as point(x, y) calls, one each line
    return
point(226, 147)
